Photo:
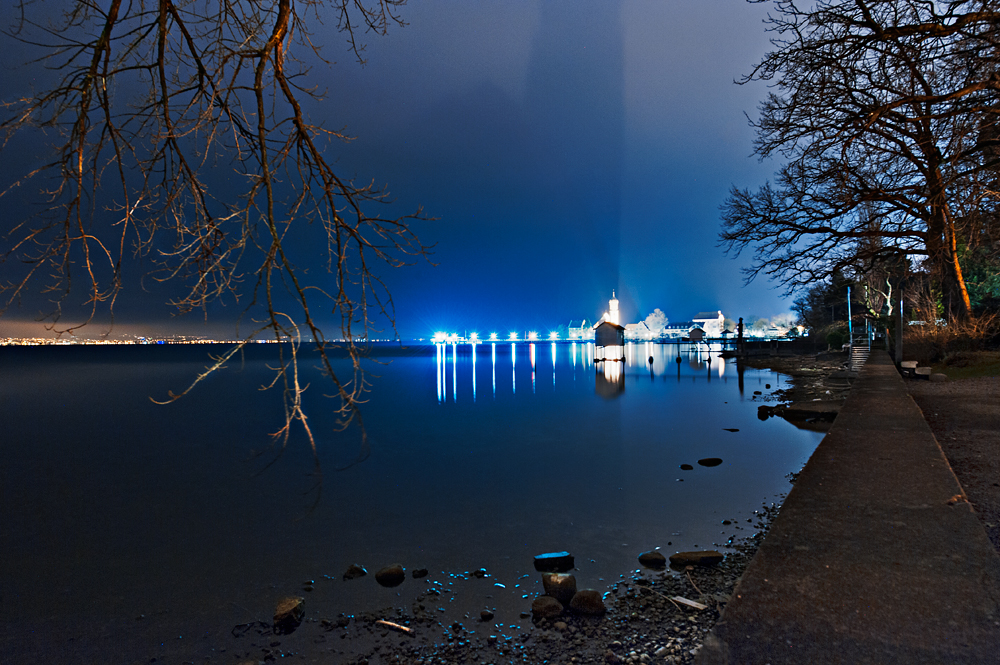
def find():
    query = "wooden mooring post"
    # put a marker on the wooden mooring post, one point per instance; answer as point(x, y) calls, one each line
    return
point(741, 347)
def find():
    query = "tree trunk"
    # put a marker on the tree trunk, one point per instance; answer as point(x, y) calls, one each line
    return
point(942, 247)
point(955, 268)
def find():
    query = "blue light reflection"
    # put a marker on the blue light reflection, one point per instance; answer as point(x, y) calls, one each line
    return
point(687, 361)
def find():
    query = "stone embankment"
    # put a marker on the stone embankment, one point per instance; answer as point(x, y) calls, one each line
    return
point(876, 556)
point(819, 386)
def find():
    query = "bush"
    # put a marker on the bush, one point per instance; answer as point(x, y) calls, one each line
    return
point(932, 343)
point(836, 339)
point(836, 335)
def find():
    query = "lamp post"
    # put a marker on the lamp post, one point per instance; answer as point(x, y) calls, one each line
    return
point(899, 335)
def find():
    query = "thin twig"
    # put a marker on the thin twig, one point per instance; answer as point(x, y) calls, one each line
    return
point(688, 573)
point(646, 588)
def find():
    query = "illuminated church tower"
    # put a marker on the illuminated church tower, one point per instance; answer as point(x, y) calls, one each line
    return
point(612, 315)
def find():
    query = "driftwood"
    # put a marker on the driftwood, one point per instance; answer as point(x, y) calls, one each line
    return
point(689, 603)
point(394, 626)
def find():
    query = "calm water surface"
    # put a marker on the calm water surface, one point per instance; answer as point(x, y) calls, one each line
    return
point(131, 530)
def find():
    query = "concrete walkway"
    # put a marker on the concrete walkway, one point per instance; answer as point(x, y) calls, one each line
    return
point(875, 556)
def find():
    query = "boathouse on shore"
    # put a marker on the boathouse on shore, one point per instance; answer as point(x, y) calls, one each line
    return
point(609, 342)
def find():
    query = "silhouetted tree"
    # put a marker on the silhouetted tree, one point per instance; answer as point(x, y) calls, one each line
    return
point(824, 303)
point(186, 123)
point(885, 111)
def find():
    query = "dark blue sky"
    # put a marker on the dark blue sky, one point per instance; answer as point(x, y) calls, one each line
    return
point(568, 149)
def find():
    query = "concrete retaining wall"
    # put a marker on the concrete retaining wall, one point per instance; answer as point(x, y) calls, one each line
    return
point(875, 556)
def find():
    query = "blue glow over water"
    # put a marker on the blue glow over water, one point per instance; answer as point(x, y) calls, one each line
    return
point(114, 507)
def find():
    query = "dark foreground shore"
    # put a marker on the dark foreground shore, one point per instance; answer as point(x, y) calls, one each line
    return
point(643, 623)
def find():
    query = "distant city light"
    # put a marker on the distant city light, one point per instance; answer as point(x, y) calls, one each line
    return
point(513, 337)
point(533, 336)
point(473, 337)
point(453, 338)
point(553, 336)
point(439, 337)
point(493, 337)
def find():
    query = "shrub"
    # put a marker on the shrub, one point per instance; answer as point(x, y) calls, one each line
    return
point(932, 343)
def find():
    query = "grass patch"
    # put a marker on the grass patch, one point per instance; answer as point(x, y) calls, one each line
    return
point(969, 364)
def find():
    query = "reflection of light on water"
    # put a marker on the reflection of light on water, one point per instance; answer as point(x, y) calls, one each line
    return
point(612, 371)
point(553, 365)
point(440, 372)
point(513, 373)
point(609, 381)
point(698, 362)
point(531, 354)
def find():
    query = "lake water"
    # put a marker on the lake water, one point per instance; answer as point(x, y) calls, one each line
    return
point(132, 530)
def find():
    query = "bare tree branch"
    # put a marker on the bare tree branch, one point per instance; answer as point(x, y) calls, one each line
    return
point(881, 108)
point(180, 137)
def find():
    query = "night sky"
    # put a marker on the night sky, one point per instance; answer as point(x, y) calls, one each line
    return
point(567, 149)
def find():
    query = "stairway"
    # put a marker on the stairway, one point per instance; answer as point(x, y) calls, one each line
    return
point(861, 346)
point(859, 354)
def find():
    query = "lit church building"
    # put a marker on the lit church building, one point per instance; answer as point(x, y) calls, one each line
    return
point(609, 335)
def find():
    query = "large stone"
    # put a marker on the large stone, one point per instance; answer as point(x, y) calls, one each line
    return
point(703, 558)
point(554, 562)
point(391, 576)
point(938, 377)
point(842, 377)
point(354, 572)
point(288, 614)
point(545, 607)
point(653, 559)
point(815, 409)
point(588, 601)
point(560, 586)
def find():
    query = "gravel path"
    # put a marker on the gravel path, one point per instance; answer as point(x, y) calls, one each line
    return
point(965, 418)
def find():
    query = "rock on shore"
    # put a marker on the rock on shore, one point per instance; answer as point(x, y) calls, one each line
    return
point(588, 601)
point(554, 562)
point(560, 586)
point(390, 576)
point(288, 614)
point(653, 559)
point(704, 558)
point(545, 607)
